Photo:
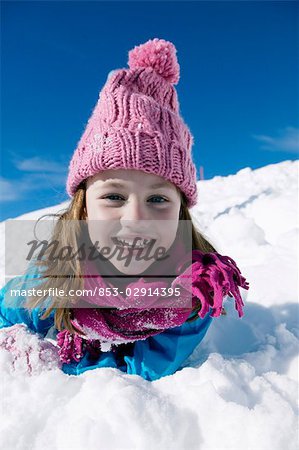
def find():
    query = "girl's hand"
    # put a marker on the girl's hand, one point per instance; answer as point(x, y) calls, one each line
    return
point(23, 351)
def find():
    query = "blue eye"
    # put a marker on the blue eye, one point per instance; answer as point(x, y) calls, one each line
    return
point(161, 198)
point(113, 195)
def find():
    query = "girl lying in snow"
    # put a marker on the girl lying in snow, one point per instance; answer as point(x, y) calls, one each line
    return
point(132, 181)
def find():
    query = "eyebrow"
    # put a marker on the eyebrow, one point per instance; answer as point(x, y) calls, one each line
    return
point(117, 185)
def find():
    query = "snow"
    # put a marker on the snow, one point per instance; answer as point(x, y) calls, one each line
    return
point(239, 388)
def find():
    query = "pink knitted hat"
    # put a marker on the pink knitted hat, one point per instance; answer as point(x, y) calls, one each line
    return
point(136, 123)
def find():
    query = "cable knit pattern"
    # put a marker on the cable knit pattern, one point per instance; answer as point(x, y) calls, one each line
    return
point(136, 123)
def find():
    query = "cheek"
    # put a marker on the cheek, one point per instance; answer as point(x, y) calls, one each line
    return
point(94, 209)
point(91, 208)
point(168, 230)
point(99, 231)
point(169, 213)
point(100, 221)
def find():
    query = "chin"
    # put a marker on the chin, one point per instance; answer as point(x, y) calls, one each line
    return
point(131, 269)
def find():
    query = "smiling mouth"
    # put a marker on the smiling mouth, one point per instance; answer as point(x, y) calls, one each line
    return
point(137, 243)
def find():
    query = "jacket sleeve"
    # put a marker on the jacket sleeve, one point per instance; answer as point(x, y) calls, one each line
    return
point(12, 308)
point(164, 353)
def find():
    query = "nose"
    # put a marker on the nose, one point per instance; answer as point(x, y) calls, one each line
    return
point(134, 213)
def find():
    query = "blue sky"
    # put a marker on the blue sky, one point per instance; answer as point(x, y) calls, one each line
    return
point(238, 89)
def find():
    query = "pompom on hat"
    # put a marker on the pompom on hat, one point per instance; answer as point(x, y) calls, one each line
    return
point(136, 123)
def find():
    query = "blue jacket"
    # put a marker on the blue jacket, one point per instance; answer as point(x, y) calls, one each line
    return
point(152, 358)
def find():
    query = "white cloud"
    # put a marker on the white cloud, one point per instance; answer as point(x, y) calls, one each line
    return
point(8, 191)
point(286, 141)
point(37, 164)
point(36, 174)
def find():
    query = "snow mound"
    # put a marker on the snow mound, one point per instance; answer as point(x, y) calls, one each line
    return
point(239, 388)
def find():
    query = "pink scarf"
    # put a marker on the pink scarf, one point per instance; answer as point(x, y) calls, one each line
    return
point(208, 280)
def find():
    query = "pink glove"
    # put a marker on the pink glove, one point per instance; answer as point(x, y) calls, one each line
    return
point(23, 351)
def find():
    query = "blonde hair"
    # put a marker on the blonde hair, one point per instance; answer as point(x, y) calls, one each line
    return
point(77, 211)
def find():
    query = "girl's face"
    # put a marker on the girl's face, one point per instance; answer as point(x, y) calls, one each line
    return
point(126, 204)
